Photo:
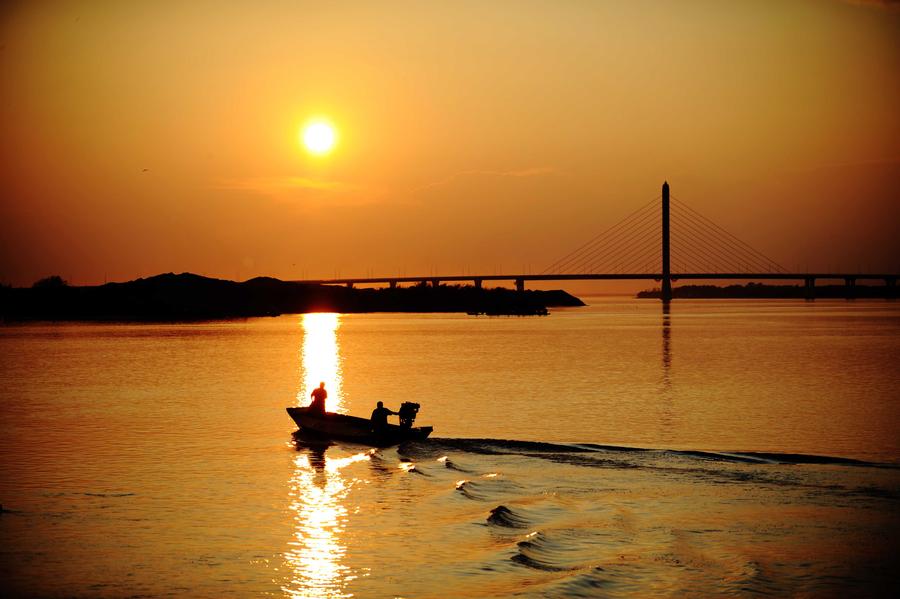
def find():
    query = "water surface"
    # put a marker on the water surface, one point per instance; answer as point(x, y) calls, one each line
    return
point(724, 447)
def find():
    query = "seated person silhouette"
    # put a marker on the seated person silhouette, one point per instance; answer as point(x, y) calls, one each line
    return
point(318, 403)
point(379, 421)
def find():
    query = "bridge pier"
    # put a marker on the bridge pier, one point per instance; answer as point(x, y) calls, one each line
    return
point(891, 285)
point(520, 285)
point(478, 283)
point(393, 284)
point(850, 288)
point(435, 283)
point(810, 288)
point(350, 285)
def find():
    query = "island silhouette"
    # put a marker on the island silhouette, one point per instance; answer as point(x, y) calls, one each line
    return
point(187, 296)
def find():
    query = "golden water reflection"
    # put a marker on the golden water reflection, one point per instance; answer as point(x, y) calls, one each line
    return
point(666, 393)
point(318, 490)
point(321, 359)
point(666, 343)
point(315, 552)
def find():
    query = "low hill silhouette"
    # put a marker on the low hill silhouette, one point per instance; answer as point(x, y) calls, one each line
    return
point(186, 296)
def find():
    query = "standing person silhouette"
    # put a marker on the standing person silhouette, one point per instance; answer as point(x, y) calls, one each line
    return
point(318, 399)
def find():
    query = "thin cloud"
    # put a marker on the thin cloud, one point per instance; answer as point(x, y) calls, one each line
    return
point(305, 191)
point(268, 185)
point(892, 4)
point(852, 164)
point(539, 171)
point(310, 189)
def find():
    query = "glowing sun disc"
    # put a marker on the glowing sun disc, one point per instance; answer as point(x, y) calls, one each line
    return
point(319, 137)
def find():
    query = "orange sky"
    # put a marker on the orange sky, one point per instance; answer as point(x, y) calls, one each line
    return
point(474, 136)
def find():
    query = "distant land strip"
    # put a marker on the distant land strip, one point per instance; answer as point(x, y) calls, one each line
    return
point(766, 291)
point(190, 297)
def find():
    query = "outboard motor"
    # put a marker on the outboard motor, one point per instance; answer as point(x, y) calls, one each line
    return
point(407, 413)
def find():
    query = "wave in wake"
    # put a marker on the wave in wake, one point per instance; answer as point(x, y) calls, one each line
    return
point(511, 446)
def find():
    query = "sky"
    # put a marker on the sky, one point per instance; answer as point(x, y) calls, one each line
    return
point(473, 137)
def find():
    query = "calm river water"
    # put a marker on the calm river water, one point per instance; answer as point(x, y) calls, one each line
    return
point(723, 448)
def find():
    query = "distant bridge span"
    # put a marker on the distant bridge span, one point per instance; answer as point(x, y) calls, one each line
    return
point(809, 278)
point(629, 251)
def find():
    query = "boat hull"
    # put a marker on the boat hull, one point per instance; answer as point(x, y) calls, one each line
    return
point(351, 428)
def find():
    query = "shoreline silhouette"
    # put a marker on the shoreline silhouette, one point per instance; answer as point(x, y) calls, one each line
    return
point(189, 297)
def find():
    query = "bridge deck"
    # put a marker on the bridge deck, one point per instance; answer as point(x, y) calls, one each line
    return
point(800, 276)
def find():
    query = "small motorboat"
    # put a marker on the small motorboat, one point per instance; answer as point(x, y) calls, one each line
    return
point(342, 427)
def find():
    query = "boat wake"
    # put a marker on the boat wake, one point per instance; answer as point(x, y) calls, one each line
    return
point(507, 518)
point(585, 519)
point(774, 470)
point(544, 449)
point(553, 553)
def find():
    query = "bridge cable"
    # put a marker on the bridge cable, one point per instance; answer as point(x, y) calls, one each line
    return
point(735, 260)
point(694, 240)
point(728, 234)
point(617, 253)
point(556, 265)
point(621, 239)
point(738, 252)
point(641, 248)
point(747, 248)
point(699, 251)
point(647, 257)
point(597, 241)
point(629, 263)
point(603, 247)
point(686, 234)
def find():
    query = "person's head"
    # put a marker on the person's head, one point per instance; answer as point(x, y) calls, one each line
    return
point(380, 404)
point(322, 385)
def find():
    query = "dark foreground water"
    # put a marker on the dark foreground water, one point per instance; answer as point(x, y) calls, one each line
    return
point(724, 448)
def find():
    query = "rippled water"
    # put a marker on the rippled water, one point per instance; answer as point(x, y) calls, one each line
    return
point(616, 450)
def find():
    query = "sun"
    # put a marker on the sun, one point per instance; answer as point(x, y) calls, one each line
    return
point(318, 137)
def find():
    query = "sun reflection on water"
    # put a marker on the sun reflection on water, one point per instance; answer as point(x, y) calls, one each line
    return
point(315, 554)
point(318, 489)
point(321, 359)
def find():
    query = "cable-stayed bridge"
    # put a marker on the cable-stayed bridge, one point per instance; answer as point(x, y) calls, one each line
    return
point(664, 240)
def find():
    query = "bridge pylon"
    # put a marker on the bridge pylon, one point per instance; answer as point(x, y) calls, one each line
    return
point(666, 272)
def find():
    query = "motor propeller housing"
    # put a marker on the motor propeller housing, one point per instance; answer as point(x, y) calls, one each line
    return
point(407, 413)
